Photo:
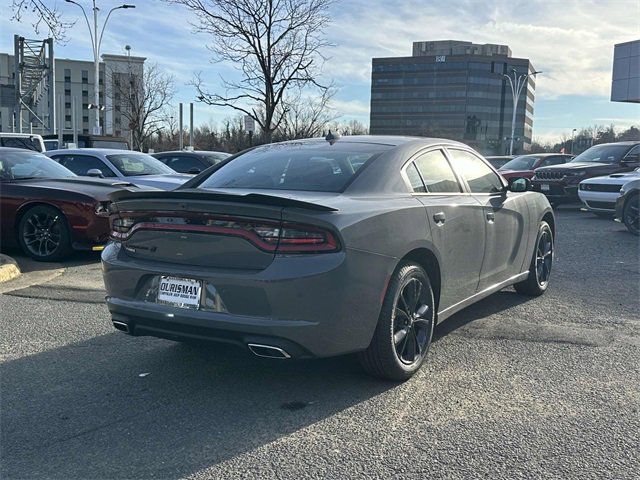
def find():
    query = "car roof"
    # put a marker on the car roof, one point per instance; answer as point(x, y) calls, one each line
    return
point(627, 142)
point(14, 149)
point(95, 151)
point(187, 152)
point(557, 154)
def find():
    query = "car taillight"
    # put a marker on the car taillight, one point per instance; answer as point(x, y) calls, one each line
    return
point(274, 237)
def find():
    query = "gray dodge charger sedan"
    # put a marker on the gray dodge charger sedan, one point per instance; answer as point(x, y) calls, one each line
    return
point(323, 247)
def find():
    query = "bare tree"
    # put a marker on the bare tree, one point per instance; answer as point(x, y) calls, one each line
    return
point(41, 14)
point(306, 117)
point(355, 127)
point(143, 101)
point(276, 44)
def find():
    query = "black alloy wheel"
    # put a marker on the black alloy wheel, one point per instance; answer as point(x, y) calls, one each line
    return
point(43, 233)
point(631, 215)
point(412, 327)
point(405, 326)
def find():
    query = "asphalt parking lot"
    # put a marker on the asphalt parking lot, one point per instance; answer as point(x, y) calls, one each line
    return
point(514, 387)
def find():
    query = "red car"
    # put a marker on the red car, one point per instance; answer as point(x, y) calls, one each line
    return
point(47, 210)
point(524, 165)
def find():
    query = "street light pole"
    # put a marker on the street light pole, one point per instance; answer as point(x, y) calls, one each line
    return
point(96, 42)
point(517, 84)
point(573, 134)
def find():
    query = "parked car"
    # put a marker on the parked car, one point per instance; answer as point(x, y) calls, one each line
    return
point(500, 160)
point(190, 162)
point(628, 206)
point(599, 194)
point(560, 183)
point(47, 210)
point(85, 141)
point(316, 248)
point(134, 167)
point(26, 141)
point(524, 165)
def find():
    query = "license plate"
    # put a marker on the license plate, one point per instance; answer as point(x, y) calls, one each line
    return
point(179, 292)
point(544, 187)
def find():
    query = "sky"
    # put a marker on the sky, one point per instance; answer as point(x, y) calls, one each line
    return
point(570, 41)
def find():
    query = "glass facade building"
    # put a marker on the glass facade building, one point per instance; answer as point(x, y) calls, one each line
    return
point(453, 90)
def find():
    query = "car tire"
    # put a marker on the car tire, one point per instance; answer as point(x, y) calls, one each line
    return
point(537, 281)
point(43, 234)
point(407, 315)
point(630, 214)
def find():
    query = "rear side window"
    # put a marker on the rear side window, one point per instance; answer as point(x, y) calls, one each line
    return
point(479, 176)
point(414, 179)
point(437, 173)
point(319, 167)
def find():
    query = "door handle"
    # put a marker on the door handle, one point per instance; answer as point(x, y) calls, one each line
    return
point(491, 217)
point(439, 218)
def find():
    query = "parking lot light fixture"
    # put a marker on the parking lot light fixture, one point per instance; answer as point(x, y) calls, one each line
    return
point(96, 42)
point(517, 84)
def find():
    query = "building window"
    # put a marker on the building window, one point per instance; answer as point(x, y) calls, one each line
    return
point(85, 76)
point(67, 75)
point(67, 105)
point(85, 119)
point(85, 106)
point(67, 92)
point(67, 118)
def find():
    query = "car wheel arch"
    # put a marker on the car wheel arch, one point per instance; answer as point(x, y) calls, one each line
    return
point(429, 261)
point(550, 219)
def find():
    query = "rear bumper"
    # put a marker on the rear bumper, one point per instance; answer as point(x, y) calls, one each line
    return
point(307, 305)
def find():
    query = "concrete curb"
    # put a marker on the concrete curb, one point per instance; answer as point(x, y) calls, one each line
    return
point(8, 268)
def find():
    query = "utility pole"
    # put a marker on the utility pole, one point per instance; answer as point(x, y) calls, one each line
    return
point(517, 84)
point(96, 42)
point(573, 134)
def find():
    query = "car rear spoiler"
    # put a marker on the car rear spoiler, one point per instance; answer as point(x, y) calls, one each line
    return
point(197, 194)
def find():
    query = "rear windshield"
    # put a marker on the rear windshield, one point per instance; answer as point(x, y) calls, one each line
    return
point(319, 167)
point(28, 143)
point(133, 164)
point(523, 162)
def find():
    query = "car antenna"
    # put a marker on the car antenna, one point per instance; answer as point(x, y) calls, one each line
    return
point(332, 137)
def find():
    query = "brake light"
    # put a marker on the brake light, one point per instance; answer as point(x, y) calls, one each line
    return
point(269, 236)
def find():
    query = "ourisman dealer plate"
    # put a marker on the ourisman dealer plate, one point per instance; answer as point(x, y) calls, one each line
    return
point(179, 292)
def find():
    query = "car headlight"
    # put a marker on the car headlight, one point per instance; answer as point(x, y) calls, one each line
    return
point(102, 209)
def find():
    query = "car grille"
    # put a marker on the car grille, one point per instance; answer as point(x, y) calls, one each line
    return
point(592, 187)
point(549, 175)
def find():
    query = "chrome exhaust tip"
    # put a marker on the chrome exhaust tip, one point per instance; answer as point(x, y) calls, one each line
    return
point(267, 351)
point(123, 327)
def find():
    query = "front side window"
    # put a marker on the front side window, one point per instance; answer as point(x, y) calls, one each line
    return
point(81, 164)
point(317, 166)
point(26, 165)
point(437, 173)
point(479, 176)
point(133, 164)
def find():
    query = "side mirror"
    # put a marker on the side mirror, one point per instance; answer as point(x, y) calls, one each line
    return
point(630, 160)
point(520, 185)
point(194, 171)
point(94, 172)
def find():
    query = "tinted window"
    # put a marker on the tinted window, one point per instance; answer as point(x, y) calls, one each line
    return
point(634, 151)
point(131, 164)
point(436, 173)
point(21, 142)
point(523, 162)
point(23, 165)
point(602, 154)
point(479, 176)
point(81, 164)
point(553, 161)
point(184, 164)
point(317, 166)
point(214, 158)
point(414, 179)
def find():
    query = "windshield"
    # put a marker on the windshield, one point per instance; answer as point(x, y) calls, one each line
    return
point(214, 158)
point(319, 167)
point(132, 164)
point(523, 162)
point(26, 165)
point(602, 154)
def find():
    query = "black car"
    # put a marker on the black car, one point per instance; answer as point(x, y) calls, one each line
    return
point(190, 162)
point(560, 182)
point(628, 206)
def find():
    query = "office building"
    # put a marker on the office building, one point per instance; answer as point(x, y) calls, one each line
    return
point(75, 84)
point(625, 86)
point(455, 90)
